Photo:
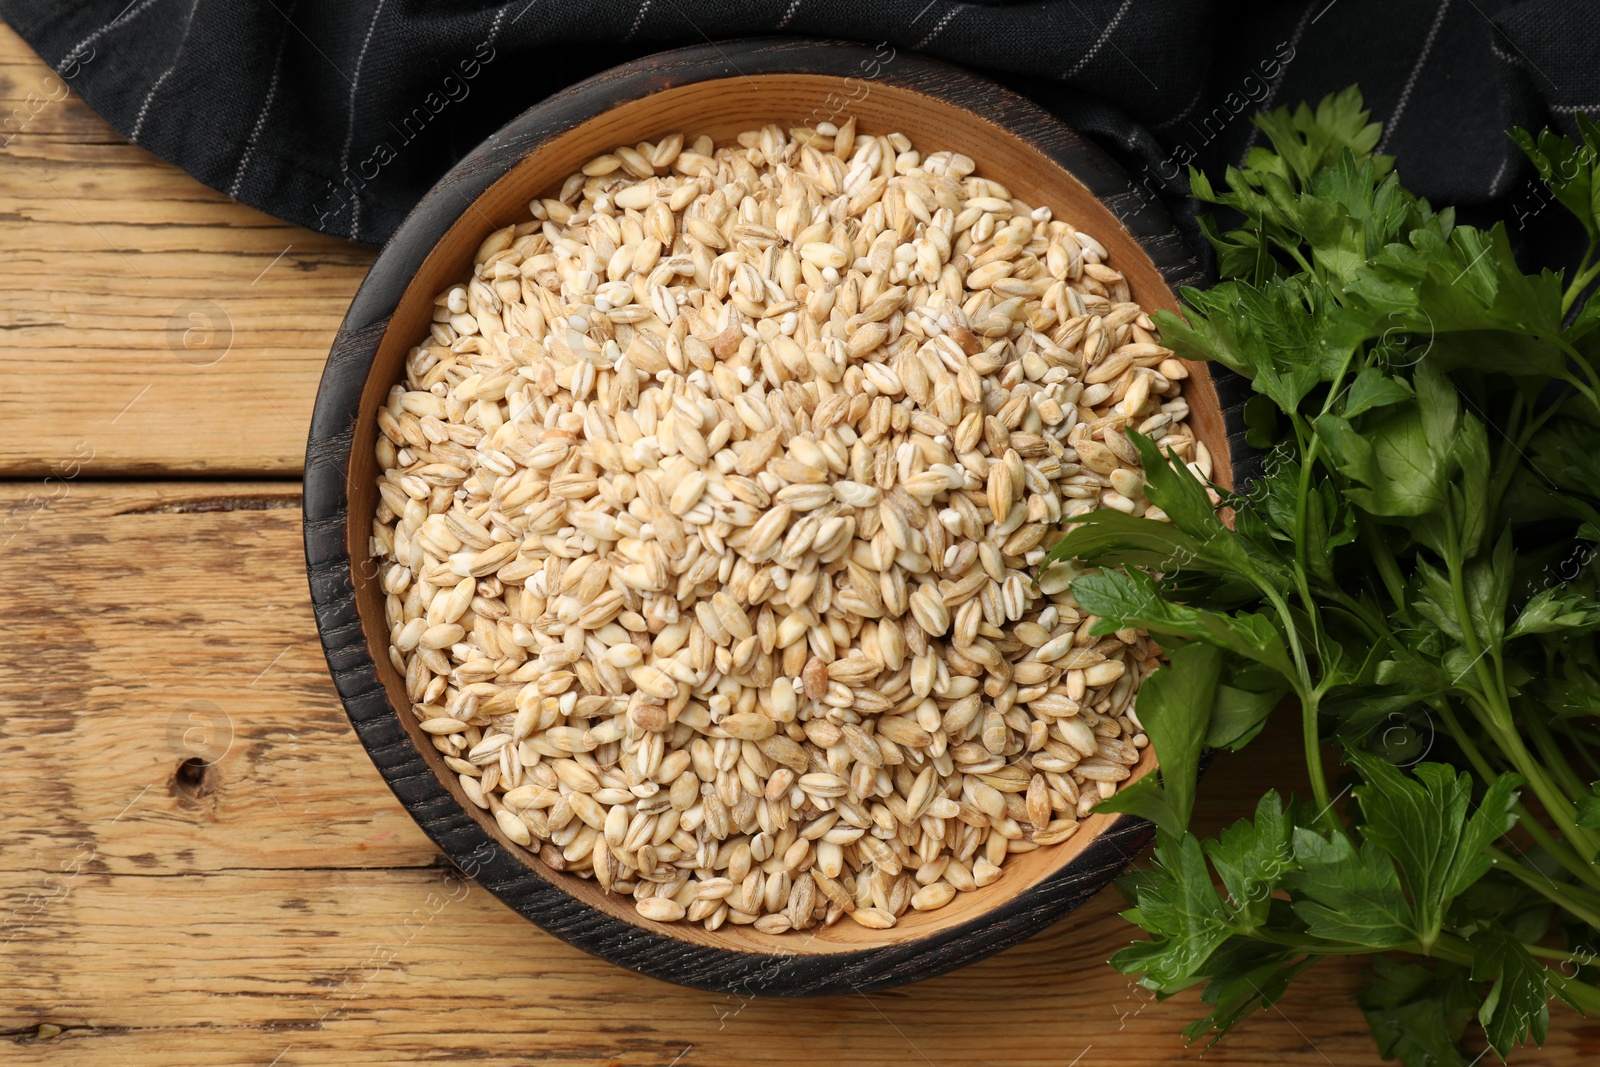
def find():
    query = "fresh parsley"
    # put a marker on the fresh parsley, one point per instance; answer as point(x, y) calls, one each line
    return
point(1417, 559)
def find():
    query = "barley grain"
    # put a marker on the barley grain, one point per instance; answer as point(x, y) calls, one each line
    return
point(708, 516)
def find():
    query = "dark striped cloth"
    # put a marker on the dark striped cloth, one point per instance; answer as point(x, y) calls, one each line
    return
point(340, 115)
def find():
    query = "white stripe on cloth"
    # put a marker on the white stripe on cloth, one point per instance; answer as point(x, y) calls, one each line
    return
point(144, 108)
point(350, 125)
point(1111, 27)
point(261, 120)
point(1411, 79)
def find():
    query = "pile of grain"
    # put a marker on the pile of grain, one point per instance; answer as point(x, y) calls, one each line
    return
point(709, 513)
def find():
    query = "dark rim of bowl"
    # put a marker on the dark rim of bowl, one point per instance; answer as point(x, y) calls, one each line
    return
point(329, 569)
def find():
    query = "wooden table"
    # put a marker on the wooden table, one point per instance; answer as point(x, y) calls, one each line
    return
point(278, 906)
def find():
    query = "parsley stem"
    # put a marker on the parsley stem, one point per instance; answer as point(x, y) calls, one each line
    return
point(1585, 995)
point(1449, 947)
point(1591, 391)
point(1509, 462)
point(1513, 460)
point(1452, 949)
point(1586, 274)
point(1497, 716)
point(1559, 850)
point(1564, 897)
point(1309, 705)
point(1310, 699)
point(1546, 412)
point(1582, 957)
point(1497, 719)
point(1314, 946)
point(1293, 248)
point(1468, 746)
point(1581, 744)
point(1388, 568)
point(1554, 758)
point(1376, 626)
point(1307, 465)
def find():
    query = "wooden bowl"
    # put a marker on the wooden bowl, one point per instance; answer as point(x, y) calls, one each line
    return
point(720, 90)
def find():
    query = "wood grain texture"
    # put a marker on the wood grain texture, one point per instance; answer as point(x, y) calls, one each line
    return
point(290, 902)
point(108, 254)
point(280, 913)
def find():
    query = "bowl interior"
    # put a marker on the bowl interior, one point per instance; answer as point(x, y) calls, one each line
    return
point(723, 108)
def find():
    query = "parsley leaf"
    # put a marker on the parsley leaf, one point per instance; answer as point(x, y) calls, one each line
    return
point(1131, 599)
point(1517, 1008)
point(1554, 611)
point(1349, 895)
point(1243, 976)
point(1305, 141)
point(1373, 389)
point(1568, 169)
point(1422, 822)
point(1418, 1013)
point(1175, 902)
point(1175, 710)
point(1252, 857)
point(1242, 703)
point(1589, 808)
point(1416, 564)
point(1401, 458)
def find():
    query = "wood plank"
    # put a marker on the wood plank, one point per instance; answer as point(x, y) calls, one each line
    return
point(165, 328)
point(281, 908)
point(163, 622)
point(289, 903)
point(379, 967)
